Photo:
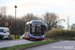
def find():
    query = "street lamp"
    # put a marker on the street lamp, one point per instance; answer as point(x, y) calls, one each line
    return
point(15, 20)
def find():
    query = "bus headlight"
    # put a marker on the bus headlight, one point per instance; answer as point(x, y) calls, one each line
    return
point(30, 35)
point(43, 36)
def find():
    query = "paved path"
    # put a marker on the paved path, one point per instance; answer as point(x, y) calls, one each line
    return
point(61, 45)
point(7, 43)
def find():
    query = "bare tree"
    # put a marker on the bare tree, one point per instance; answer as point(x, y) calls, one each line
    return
point(3, 11)
point(30, 17)
point(2, 16)
point(50, 19)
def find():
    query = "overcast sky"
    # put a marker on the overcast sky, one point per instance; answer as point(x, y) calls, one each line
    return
point(63, 8)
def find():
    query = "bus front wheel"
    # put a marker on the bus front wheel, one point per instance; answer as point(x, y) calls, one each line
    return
point(39, 39)
point(28, 39)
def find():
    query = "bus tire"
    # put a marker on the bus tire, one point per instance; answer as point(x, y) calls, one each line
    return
point(40, 39)
point(37, 39)
point(28, 39)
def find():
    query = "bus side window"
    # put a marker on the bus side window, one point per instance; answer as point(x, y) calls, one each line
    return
point(35, 28)
point(41, 28)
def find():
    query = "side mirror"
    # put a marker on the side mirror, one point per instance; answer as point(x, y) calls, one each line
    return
point(4, 31)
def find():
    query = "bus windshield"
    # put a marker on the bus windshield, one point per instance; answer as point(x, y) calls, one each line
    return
point(37, 28)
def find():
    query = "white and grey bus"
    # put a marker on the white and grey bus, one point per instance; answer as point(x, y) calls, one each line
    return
point(35, 29)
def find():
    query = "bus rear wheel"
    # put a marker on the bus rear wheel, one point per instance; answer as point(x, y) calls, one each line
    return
point(39, 39)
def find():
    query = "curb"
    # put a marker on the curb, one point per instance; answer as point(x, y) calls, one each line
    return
point(36, 45)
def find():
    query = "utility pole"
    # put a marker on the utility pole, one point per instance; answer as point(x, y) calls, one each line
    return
point(15, 20)
point(68, 23)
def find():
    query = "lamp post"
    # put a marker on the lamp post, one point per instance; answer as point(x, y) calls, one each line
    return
point(15, 20)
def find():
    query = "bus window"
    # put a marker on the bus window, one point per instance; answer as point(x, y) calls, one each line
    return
point(37, 28)
point(32, 28)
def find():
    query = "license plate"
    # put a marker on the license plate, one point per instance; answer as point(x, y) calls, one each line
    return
point(37, 37)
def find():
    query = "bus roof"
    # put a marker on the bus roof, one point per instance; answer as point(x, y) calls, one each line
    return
point(36, 22)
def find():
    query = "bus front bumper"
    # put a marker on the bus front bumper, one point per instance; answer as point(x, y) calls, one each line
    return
point(36, 38)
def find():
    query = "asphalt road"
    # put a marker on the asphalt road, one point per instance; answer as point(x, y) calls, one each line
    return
point(61, 45)
point(7, 43)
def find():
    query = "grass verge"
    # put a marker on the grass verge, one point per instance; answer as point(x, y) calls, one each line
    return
point(25, 45)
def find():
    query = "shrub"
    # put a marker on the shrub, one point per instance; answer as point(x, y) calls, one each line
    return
point(60, 33)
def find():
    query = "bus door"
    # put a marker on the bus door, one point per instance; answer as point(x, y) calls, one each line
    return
point(27, 31)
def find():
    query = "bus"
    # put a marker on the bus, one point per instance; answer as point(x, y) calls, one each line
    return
point(35, 29)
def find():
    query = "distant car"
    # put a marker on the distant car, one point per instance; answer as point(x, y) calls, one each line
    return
point(23, 36)
point(4, 33)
